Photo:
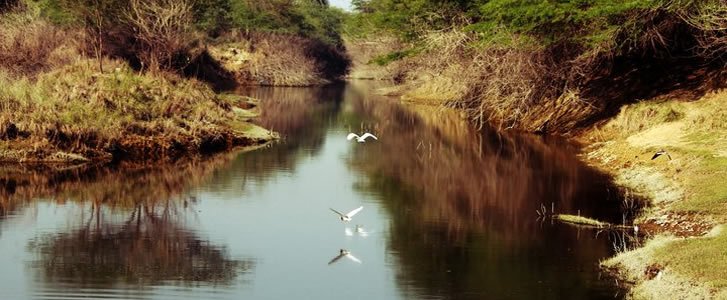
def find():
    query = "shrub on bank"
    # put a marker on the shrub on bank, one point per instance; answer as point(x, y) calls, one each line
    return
point(29, 45)
point(77, 113)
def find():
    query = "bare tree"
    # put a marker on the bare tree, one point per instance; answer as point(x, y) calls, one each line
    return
point(160, 27)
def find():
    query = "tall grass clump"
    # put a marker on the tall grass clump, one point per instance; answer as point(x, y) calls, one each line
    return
point(80, 111)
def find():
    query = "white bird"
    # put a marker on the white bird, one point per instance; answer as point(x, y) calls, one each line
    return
point(347, 217)
point(344, 253)
point(360, 139)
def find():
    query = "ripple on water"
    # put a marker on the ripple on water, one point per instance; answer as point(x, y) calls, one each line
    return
point(72, 291)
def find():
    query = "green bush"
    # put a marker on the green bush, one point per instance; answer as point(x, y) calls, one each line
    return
point(309, 18)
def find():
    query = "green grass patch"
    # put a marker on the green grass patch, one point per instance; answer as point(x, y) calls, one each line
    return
point(703, 259)
point(385, 59)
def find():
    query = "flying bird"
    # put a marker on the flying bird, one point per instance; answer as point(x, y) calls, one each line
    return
point(347, 217)
point(660, 153)
point(344, 253)
point(360, 139)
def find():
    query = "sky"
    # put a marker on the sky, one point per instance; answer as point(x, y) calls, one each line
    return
point(345, 4)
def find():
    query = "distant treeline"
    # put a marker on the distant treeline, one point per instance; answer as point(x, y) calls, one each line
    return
point(583, 22)
point(157, 33)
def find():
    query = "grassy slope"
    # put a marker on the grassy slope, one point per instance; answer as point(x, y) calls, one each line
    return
point(688, 191)
point(76, 113)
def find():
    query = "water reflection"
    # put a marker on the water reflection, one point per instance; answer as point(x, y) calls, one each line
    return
point(463, 204)
point(343, 253)
point(126, 227)
point(491, 179)
point(151, 246)
point(449, 212)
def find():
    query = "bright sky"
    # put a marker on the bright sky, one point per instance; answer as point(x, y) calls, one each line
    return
point(345, 4)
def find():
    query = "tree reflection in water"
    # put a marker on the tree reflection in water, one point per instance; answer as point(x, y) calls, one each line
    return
point(132, 225)
point(302, 116)
point(463, 205)
point(151, 246)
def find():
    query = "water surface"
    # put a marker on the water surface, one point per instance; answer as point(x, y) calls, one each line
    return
point(449, 213)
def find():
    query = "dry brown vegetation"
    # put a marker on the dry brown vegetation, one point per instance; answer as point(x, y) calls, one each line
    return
point(29, 45)
point(57, 105)
point(562, 87)
point(279, 59)
point(77, 113)
point(161, 29)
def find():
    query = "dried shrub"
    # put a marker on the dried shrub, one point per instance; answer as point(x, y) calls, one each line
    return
point(161, 30)
point(710, 19)
point(280, 59)
point(29, 45)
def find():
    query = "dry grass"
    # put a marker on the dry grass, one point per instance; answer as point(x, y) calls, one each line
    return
point(635, 263)
point(511, 87)
point(58, 106)
point(563, 86)
point(76, 109)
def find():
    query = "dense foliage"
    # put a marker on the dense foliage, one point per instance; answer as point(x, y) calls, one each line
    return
point(309, 18)
point(586, 22)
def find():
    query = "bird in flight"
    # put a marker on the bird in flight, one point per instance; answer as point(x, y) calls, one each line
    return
point(347, 217)
point(660, 153)
point(360, 139)
point(344, 253)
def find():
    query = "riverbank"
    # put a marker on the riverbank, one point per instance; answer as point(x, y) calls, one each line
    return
point(77, 113)
point(142, 88)
point(684, 255)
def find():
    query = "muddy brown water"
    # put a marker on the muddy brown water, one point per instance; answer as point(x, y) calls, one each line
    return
point(449, 213)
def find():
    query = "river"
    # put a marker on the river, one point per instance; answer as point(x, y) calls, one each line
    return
point(449, 212)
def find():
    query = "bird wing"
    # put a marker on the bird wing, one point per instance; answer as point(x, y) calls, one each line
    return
point(363, 137)
point(669, 156)
point(353, 212)
point(351, 135)
point(335, 259)
point(338, 212)
point(657, 154)
point(353, 258)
